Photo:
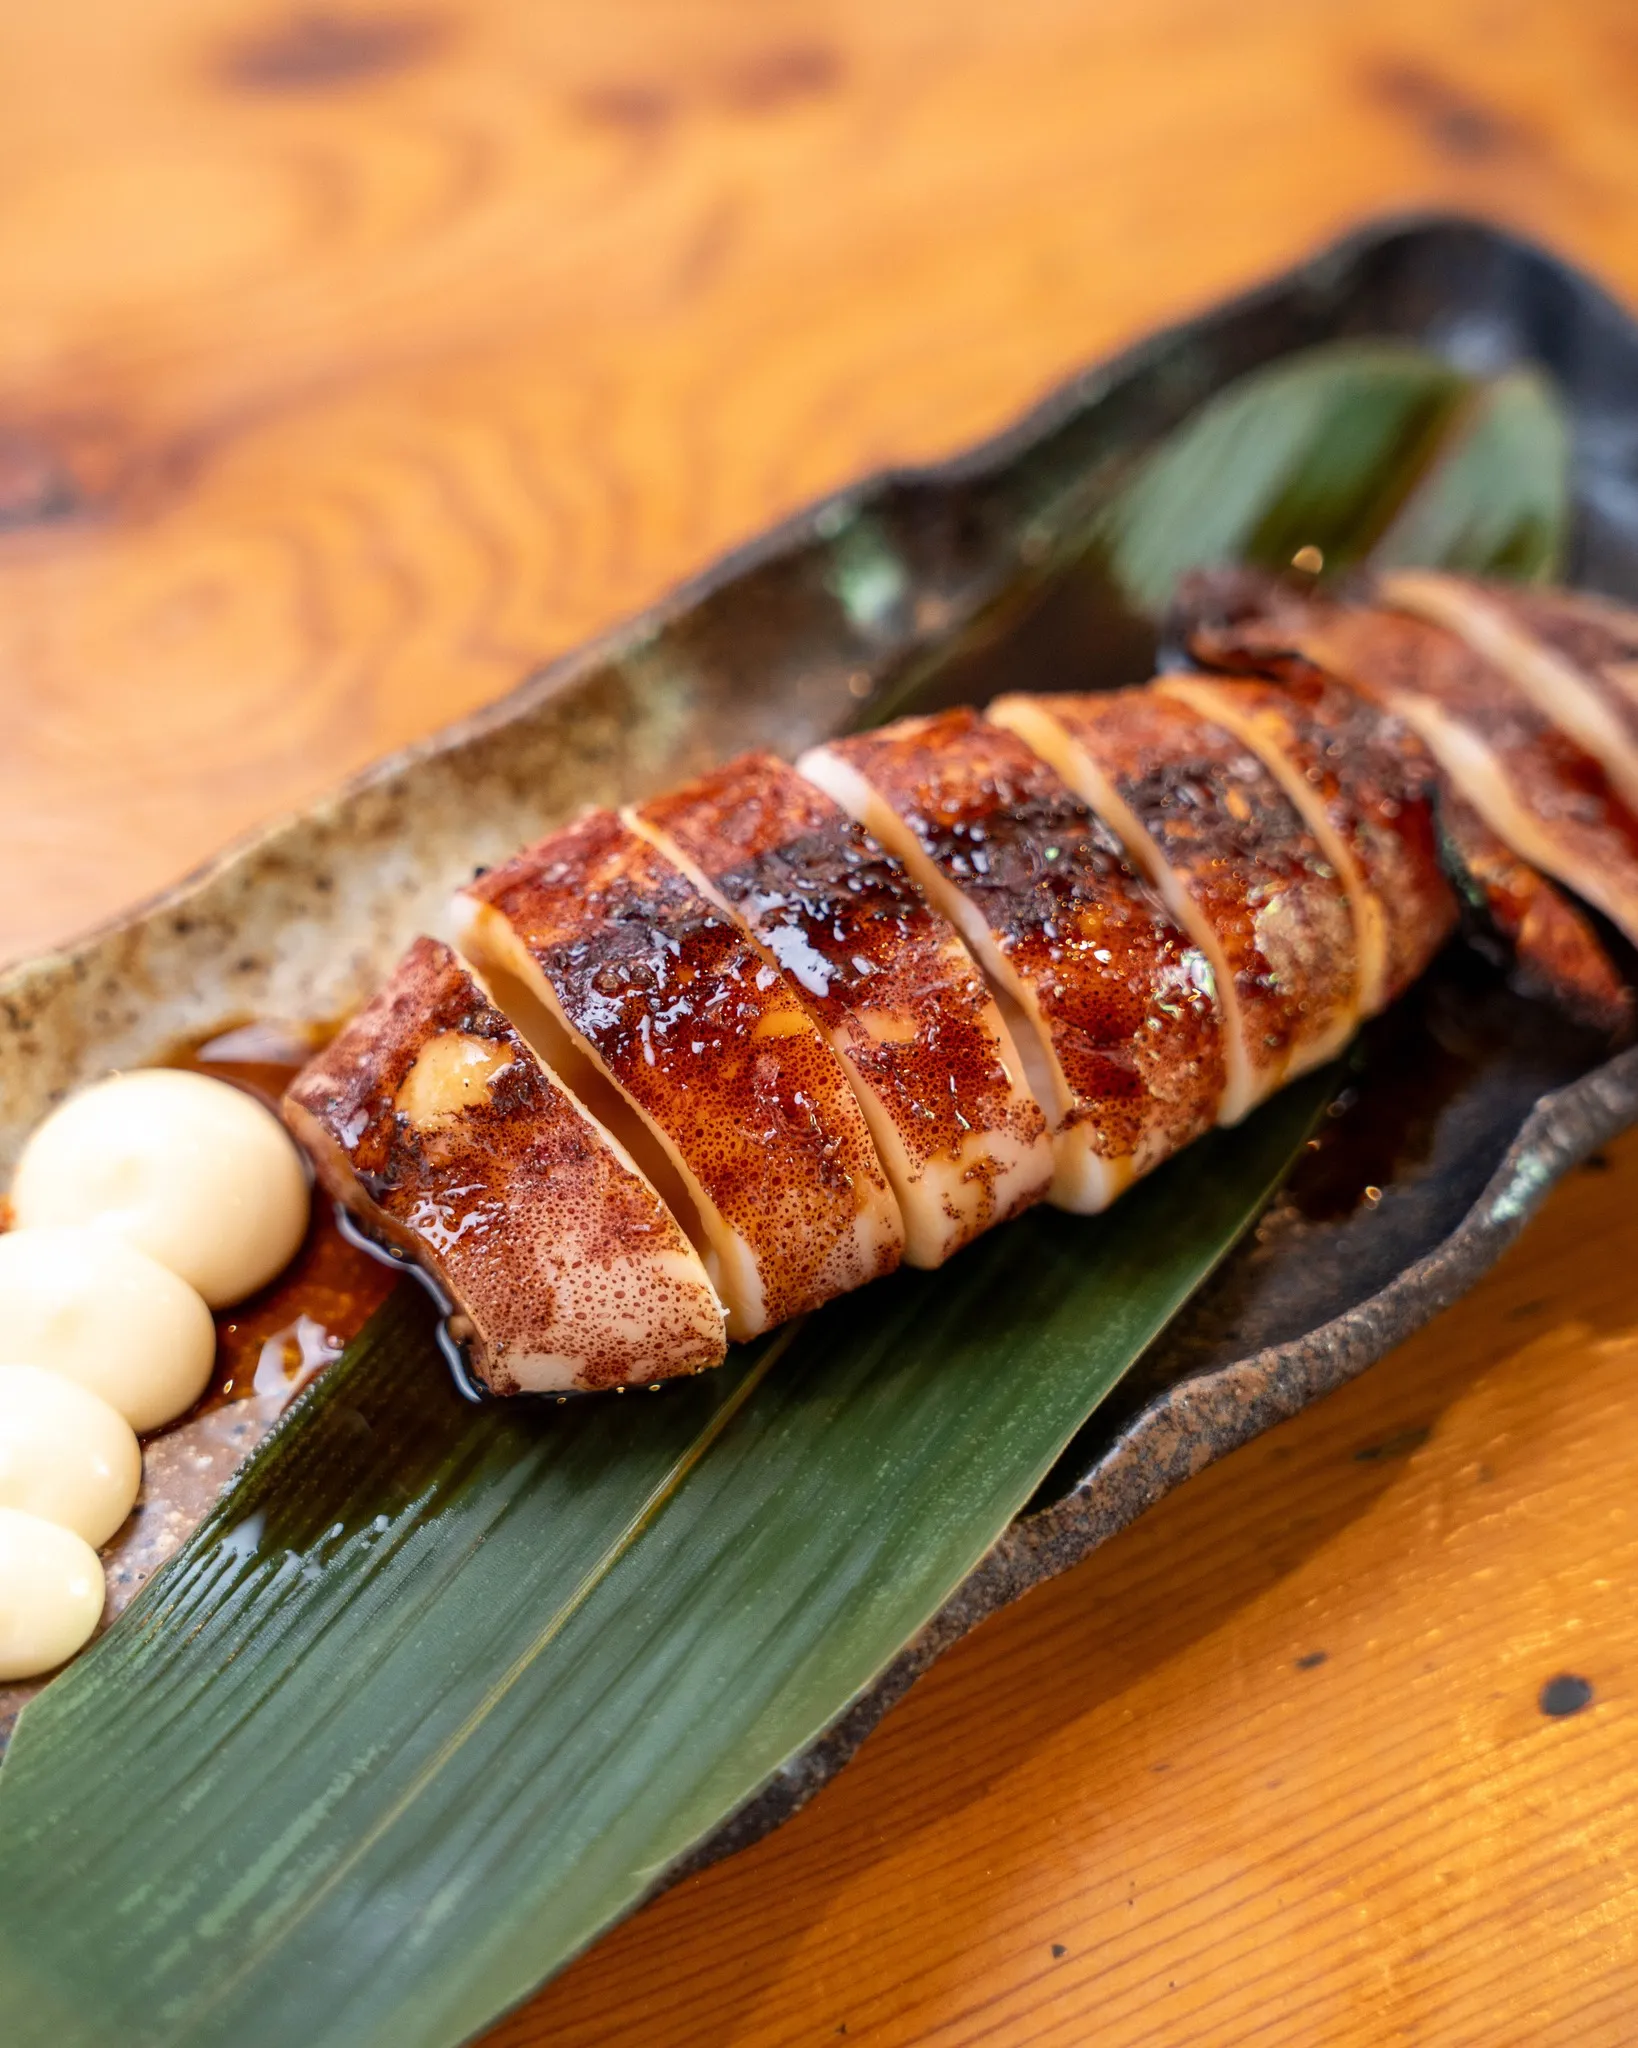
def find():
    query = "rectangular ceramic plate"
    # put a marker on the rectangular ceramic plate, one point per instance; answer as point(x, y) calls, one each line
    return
point(947, 583)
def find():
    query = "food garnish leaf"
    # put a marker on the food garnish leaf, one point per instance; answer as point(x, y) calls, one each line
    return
point(1495, 499)
point(1351, 454)
point(439, 1692)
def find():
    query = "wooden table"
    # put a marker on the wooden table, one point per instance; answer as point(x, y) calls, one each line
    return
point(353, 359)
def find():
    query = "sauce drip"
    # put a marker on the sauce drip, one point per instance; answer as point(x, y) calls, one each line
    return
point(277, 1340)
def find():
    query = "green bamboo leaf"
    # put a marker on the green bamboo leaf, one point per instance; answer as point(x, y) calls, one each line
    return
point(1495, 499)
point(1316, 451)
point(440, 1692)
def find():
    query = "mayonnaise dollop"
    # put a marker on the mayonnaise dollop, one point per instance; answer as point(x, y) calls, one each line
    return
point(193, 1172)
point(51, 1594)
point(87, 1305)
point(65, 1455)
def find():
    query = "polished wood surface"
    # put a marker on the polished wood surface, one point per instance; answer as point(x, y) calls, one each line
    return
point(354, 358)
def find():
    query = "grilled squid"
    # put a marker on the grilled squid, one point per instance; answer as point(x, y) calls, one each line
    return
point(1531, 781)
point(1116, 1008)
point(1209, 825)
point(963, 1141)
point(432, 1119)
point(740, 1048)
point(693, 1046)
point(1365, 787)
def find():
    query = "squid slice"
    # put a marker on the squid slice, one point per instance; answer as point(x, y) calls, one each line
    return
point(1533, 785)
point(432, 1120)
point(896, 992)
point(1241, 621)
point(691, 1046)
point(1202, 817)
point(1366, 788)
point(1596, 634)
point(1556, 952)
point(1573, 660)
point(1117, 1008)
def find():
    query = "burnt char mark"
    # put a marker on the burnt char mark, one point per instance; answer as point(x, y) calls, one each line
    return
point(644, 967)
point(709, 1039)
point(1556, 779)
point(868, 957)
point(831, 905)
point(1237, 845)
point(1378, 785)
point(525, 1215)
point(1125, 999)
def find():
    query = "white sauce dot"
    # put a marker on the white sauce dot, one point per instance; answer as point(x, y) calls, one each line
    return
point(190, 1170)
point(51, 1594)
point(88, 1305)
point(65, 1455)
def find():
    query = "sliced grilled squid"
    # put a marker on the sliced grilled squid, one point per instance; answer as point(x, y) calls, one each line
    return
point(1571, 656)
point(1555, 951)
point(1366, 788)
point(1533, 784)
point(432, 1120)
point(691, 1046)
point(1203, 818)
point(1596, 635)
point(1116, 1008)
point(939, 1081)
point(1239, 621)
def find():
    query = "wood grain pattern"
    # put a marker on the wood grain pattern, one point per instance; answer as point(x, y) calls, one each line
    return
point(357, 356)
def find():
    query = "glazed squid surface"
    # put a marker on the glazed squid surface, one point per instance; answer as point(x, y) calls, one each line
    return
point(1238, 868)
point(961, 1137)
point(747, 1045)
point(432, 1120)
point(1116, 1006)
point(1573, 661)
point(733, 1098)
point(1239, 622)
point(1534, 784)
point(1365, 786)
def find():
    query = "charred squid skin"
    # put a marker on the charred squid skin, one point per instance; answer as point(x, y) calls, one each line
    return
point(433, 1122)
point(1240, 621)
point(1208, 824)
point(1574, 662)
point(892, 986)
point(1557, 955)
point(1536, 787)
point(1367, 789)
point(745, 1119)
point(1119, 1006)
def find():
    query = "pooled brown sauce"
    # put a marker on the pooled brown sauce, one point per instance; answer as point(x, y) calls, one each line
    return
point(278, 1339)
